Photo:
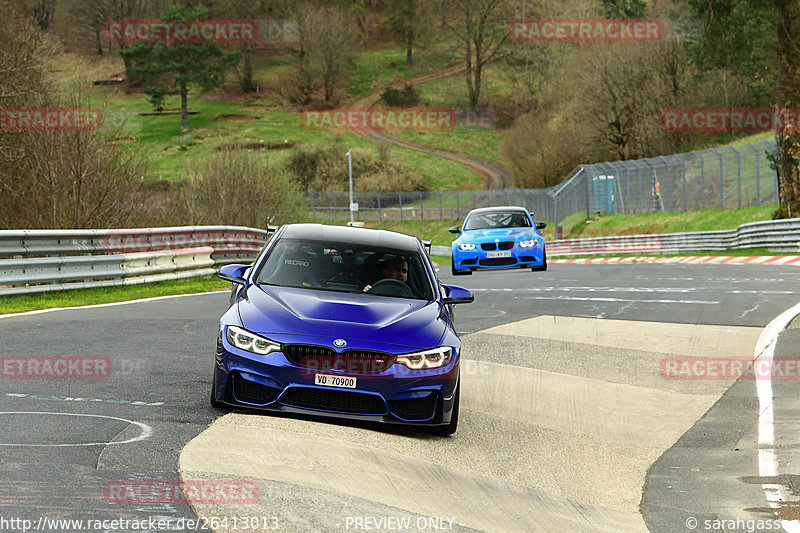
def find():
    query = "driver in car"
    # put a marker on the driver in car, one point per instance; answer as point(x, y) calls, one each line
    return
point(396, 268)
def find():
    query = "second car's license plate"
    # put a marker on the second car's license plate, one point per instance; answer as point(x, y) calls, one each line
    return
point(495, 255)
point(329, 380)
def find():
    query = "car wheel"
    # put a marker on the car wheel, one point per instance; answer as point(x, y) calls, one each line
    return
point(543, 266)
point(459, 272)
point(450, 428)
point(214, 402)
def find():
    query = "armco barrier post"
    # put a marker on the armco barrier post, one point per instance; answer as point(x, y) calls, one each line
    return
point(758, 173)
point(738, 174)
point(721, 181)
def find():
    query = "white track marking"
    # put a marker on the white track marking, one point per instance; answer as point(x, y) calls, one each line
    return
point(38, 311)
point(146, 430)
point(767, 461)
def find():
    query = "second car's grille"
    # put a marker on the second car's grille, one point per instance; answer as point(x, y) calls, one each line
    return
point(501, 261)
point(324, 358)
point(333, 400)
point(505, 246)
point(488, 246)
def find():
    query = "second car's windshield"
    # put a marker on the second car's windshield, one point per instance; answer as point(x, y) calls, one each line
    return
point(497, 219)
point(345, 267)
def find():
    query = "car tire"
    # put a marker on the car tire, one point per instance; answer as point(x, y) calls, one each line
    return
point(214, 402)
point(450, 428)
point(543, 266)
point(459, 272)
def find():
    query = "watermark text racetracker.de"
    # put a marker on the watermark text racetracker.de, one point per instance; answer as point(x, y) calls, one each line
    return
point(586, 30)
point(749, 120)
point(55, 367)
point(728, 368)
point(180, 31)
point(219, 492)
point(152, 523)
point(21, 119)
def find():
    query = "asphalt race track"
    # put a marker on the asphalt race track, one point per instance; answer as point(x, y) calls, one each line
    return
point(571, 419)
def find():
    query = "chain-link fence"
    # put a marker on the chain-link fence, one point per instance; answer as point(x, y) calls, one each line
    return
point(726, 178)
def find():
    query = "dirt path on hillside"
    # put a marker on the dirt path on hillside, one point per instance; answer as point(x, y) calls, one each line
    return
point(494, 175)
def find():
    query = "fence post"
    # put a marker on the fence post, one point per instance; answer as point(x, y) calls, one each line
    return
point(721, 181)
point(380, 211)
point(702, 177)
point(421, 207)
point(441, 206)
point(458, 206)
point(738, 173)
point(400, 201)
point(668, 166)
point(758, 177)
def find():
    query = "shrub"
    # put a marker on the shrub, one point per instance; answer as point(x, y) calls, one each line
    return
point(324, 168)
point(405, 97)
point(238, 189)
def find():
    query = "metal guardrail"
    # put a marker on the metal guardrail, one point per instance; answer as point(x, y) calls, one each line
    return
point(776, 235)
point(36, 261)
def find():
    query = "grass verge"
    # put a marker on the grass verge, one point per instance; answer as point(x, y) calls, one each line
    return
point(102, 295)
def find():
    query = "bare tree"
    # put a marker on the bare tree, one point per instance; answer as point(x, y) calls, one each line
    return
point(42, 11)
point(327, 47)
point(481, 29)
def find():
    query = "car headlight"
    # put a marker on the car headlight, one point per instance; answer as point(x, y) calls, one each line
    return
point(435, 358)
point(466, 246)
point(528, 244)
point(250, 342)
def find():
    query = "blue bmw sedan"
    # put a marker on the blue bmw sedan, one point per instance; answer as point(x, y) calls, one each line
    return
point(342, 322)
point(498, 237)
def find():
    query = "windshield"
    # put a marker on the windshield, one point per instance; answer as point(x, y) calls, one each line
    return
point(345, 267)
point(497, 219)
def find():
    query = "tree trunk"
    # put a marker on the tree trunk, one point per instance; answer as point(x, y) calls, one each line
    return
point(98, 40)
point(410, 48)
point(247, 69)
point(470, 86)
point(184, 108)
point(785, 142)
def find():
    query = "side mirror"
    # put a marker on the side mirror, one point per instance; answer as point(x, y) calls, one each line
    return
point(457, 295)
point(455, 229)
point(541, 225)
point(233, 273)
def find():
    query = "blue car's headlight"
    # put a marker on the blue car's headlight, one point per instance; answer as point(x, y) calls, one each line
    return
point(250, 342)
point(528, 244)
point(435, 358)
point(466, 246)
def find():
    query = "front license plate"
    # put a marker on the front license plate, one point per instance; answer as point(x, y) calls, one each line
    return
point(495, 255)
point(328, 380)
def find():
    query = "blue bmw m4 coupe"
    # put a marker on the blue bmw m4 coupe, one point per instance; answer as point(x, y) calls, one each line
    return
point(343, 322)
point(498, 237)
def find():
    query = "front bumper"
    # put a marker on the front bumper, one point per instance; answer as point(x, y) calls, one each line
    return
point(479, 259)
point(273, 383)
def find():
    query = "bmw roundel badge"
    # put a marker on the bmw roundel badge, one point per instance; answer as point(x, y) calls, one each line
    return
point(340, 343)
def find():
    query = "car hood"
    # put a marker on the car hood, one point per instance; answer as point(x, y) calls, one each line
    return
point(285, 314)
point(499, 233)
